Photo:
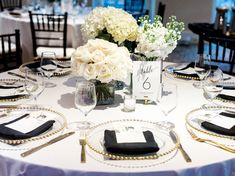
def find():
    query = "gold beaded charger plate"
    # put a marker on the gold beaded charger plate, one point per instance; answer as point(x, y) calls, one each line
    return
point(224, 100)
point(12, 92)
point(95, 141)
point(62, 70)
point(169, 72)
point(218, 115)
point(34, 114)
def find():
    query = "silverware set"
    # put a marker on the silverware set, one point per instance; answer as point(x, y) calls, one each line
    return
point(176, 140)
point(211, 142)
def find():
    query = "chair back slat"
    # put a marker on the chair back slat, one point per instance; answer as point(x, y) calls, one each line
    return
point(10, 55)
point(48, 27)
point(221, 50)
point(10, 4)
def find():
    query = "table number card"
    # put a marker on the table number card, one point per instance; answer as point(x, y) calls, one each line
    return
point(146, 79)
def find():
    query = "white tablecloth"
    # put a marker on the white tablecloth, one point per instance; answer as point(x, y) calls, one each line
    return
point(63, 158)
point(9, 23)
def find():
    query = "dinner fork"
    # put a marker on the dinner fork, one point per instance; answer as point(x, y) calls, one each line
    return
point(211, 142)
point(82, 141)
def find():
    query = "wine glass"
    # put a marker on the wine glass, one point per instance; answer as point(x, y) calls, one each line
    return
point(48, 64)
point(202, 67)
point(85, 101)
point(34, 84)
point(167, 97)
point(213, 85)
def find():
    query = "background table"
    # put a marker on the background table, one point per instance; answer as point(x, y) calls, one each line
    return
point(9, 23)
point(63, 158)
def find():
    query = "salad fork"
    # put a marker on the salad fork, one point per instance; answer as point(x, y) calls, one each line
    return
point(211, 142)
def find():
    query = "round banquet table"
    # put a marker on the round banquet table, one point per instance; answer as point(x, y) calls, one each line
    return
point(9, 23)
point(63, 157)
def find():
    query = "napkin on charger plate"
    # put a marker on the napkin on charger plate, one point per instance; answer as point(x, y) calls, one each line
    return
point(186, 71)
point(10, 97)
point(223, 123)
point(112, 145)
point(218, 129)
point(7, 130)
point(226, 97)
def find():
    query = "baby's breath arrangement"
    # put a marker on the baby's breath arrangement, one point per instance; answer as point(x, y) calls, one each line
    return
point(156, 41)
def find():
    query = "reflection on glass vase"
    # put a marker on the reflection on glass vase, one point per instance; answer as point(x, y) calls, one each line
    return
point(104, 92)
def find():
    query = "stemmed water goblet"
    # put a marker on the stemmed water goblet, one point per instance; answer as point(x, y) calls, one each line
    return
point(213, 85)
point(34, 87)
point(202, 67)
point(85, 100)
point(48, 65)
point(167, 97)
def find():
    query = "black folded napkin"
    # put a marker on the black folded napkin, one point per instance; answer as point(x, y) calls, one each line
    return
point(218, 129)
point(10, 87)
point(8, 133)
point(228, 87)
point(111, 145)
point(227, 114)
point(35, 65)
point(226, 97)
point(191, 64)
point(9, 97)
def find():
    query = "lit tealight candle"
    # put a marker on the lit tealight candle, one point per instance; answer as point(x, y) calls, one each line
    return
point(129, 103)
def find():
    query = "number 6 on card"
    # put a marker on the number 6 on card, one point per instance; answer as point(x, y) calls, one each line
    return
point(146, 79)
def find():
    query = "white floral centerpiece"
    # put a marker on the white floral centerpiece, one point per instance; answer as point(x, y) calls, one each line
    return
point(156, 41)
point(112, 24)
point(103, 62)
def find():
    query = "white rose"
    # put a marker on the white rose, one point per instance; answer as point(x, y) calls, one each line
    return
point(82, 53)
point(105, 74)
point(78, 67)
point(97, 56)
point(89, 72)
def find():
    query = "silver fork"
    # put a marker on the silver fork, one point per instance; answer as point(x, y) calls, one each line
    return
point(211, 142)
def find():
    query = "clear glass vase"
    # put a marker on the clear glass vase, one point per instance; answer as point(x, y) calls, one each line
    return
point(105, 92)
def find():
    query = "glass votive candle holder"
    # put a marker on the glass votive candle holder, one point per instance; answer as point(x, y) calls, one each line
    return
point(129, 103)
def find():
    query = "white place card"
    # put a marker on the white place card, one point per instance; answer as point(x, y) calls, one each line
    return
point(217, 120)
point(27, 124)
point(146, 79)
point(189, 70)
point(130, 137)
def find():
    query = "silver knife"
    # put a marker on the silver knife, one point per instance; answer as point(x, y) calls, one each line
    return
point(21, 76)
point(176, 140)
point(52, 141)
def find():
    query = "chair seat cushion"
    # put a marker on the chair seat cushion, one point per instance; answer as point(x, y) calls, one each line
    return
point(6, 47)
point(58, 51)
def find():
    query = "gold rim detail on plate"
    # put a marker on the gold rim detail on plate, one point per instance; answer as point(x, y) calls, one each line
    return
point(42, 136)
point(13, 99)
point(125, 157)
point(205, 131)
point(225, 101)
point(22, 69)
point(180, 76)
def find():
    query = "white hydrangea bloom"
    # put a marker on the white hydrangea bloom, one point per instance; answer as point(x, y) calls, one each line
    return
point(120, 24)
point(106, 61)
